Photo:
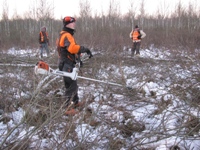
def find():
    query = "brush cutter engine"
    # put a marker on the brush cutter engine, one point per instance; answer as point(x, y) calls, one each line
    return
point(42, 68)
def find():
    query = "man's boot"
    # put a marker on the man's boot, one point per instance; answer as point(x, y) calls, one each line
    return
point(79, 104)
point(71, 112)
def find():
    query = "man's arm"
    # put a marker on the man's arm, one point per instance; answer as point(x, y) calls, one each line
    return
point(131, 35)
point(39, 39)
point(142, 34)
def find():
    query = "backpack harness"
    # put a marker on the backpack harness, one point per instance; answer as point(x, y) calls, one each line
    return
point(69, 55)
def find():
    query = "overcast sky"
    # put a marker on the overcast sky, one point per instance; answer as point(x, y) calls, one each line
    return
point(71, 7)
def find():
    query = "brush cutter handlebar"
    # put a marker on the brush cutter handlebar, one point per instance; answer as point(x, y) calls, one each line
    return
point(73, 75)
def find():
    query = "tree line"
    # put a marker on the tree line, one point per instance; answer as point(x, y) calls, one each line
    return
point(177, 29)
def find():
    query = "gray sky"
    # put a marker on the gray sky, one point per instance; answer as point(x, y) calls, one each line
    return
point(71, 7)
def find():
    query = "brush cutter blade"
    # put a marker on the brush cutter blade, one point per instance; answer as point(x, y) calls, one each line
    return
point(42, 68)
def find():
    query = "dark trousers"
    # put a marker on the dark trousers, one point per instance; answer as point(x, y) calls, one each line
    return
point(71, 87)
point(42, 47)
point(136, 47)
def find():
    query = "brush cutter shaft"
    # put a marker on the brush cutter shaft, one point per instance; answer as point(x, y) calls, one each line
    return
point(74, 76)
point(43, 68)
point(99, 81)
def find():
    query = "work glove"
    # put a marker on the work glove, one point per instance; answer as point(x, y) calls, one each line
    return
point(89, 53)
point(86, 50)
point(139, 37)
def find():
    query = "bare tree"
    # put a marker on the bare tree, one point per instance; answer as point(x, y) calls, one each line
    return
point(142, 13)
point(85, 13)
point(108, 25)
point(132, 12)
point(5, 30)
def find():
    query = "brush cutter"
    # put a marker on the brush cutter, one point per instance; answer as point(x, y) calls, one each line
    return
point(44, 69)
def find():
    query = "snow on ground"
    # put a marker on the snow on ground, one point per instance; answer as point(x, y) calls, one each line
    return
point(143, 113)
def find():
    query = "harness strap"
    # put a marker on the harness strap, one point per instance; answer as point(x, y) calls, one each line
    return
point(58, 48)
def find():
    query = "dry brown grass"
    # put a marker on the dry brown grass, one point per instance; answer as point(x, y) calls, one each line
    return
point(44, 109)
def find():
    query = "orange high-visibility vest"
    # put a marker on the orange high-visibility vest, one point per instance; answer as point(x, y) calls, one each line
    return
point(42, 36)
point(73, 47)
point(135, 35)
